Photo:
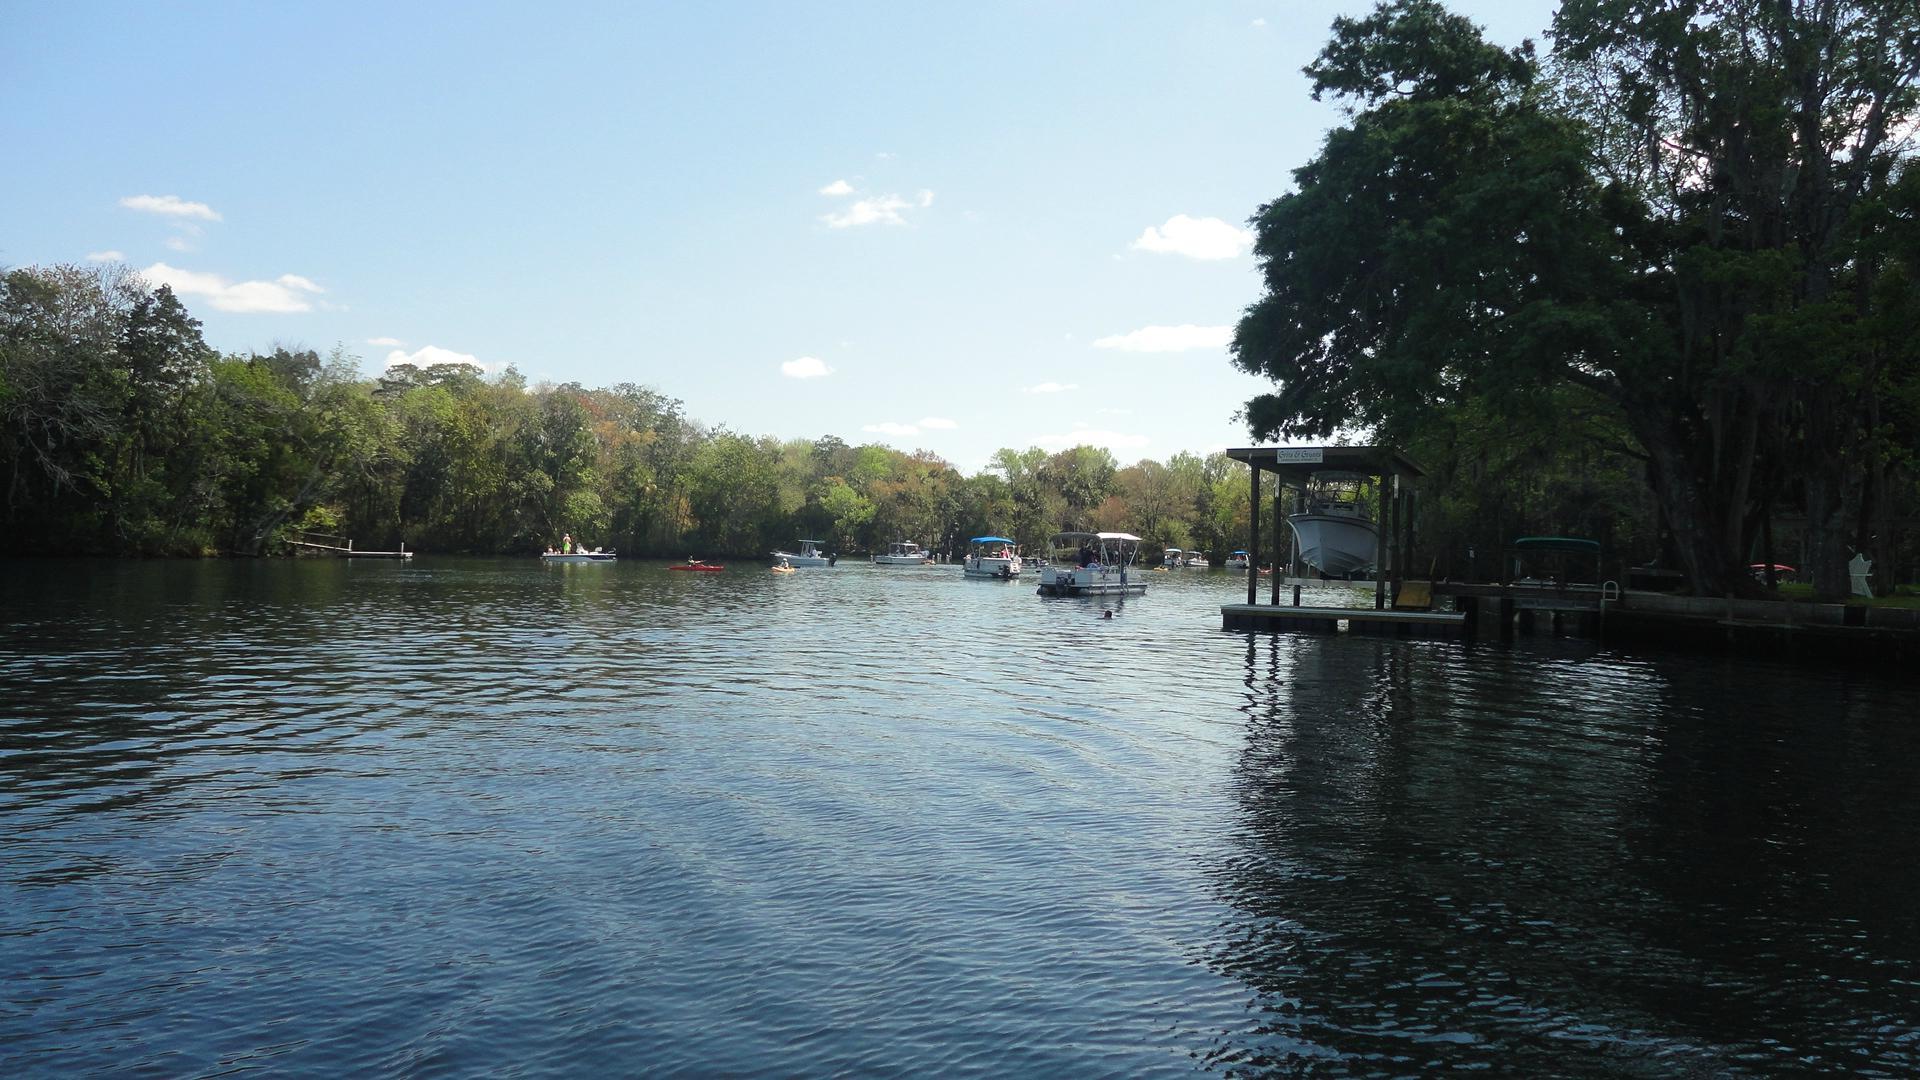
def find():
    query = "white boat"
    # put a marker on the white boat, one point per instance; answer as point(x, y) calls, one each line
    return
point(1173, 559)
point(1332, 532)
point(1197, 561)
point(595, 555)
point(904, 553)
point(1236, 559)
point(1103, 566)
point(992, 557)
point(808, 555)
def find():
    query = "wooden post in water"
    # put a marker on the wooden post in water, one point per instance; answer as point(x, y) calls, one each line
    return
point(1380, 552)
point(1253, 541)
point(1279, 530)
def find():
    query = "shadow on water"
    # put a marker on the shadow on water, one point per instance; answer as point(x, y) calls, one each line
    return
point(1561, 861)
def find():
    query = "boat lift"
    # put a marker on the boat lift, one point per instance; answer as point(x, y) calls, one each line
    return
point(1295, 466)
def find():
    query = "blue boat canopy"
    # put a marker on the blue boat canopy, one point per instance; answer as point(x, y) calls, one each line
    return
point(991, 540)
point(1238, 551)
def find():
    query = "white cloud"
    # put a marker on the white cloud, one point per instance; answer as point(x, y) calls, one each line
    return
point(1114, 412)
point(178, 243)
point(170, 206)
point(1168, 339)
point(282, 296)
point(1258, 22)
point(878, 210)
point(891, 427)
point(1196, 238)
point(428, 355)
point(838, 187)
point(106, 256)
point(806, 367)
point(388, 341)
point(1052, 388)
point(1112, 440)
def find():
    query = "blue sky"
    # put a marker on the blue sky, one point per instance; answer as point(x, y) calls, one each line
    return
point(954, 228)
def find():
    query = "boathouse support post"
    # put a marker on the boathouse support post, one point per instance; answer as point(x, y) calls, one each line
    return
point(1380, 551)
point(1253, 541)
point(1395, 569)
point(1280, 529)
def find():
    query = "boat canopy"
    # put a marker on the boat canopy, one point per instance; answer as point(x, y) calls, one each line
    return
point(1557, 543)
point(1095, 536)
point(1238, 551)
point(991, 540)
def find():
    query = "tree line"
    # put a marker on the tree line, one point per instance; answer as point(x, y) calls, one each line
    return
point(125, 434)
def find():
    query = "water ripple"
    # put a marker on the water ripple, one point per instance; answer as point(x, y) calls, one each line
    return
point(481, 817)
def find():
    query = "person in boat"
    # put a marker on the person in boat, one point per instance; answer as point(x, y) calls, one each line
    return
point(566, 543)
point(1086, 556)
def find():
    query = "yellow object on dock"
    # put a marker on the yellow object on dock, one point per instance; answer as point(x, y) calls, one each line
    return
point(1414, 596)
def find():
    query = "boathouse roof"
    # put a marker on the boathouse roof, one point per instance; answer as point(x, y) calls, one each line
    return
point(1300, 462)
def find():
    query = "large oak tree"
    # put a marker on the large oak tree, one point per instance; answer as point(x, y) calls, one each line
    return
point(1676, 217)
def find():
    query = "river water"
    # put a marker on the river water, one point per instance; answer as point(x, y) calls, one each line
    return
point(488, 817)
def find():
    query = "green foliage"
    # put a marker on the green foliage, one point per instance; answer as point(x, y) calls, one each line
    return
point(1678, 236)
point(127, 435)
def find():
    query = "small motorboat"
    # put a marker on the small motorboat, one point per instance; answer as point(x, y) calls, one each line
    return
point(810, 554)
point(1101, 568)
point(699, 566)
point(992, 557)
point(904, 553)
point(551, 557)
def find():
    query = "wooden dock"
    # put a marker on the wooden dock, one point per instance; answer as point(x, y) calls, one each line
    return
point(316, 543)
point(1441, 625)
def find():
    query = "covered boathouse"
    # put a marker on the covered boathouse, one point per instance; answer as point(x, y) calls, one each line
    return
point(1294, 468)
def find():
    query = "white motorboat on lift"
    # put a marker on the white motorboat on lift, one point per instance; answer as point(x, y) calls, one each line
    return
point(1333, 531)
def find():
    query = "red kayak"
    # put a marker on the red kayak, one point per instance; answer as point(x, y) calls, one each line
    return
point(700, 567)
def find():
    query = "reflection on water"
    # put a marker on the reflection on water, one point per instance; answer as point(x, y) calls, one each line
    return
point(480, 816)
point(1565, 861)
